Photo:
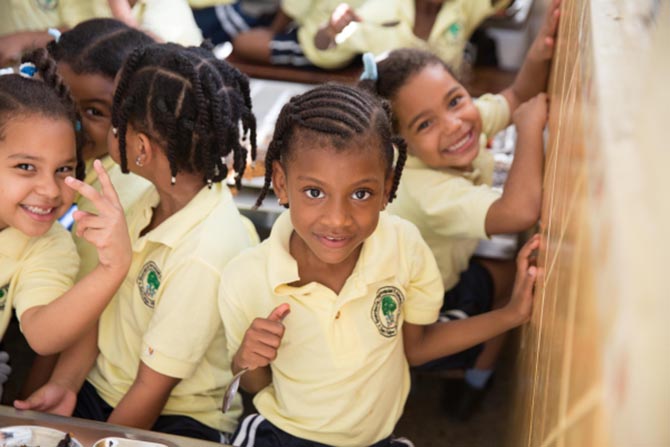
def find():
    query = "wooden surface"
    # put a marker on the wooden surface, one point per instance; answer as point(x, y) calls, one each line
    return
point(594, 361)
point(88, 432)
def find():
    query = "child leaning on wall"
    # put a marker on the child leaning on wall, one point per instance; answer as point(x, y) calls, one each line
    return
point(446, 190)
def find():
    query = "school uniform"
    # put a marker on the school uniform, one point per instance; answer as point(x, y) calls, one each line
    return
point(341, 376)
point(165, 313)
point(34, 271)
point(449, 207)
point(129, 188)
point(454, 24)
point(224, 21)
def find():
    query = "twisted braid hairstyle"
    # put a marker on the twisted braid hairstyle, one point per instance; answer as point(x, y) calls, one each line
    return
point(396, 68)
point(341, 113)
point(191, 104)
point(44, 94)
point(97, 46)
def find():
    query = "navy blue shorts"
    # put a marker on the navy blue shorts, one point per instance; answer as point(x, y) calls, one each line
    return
point(286, 50)
point(472, 295)
point(256, 431)
point(222, 23)
point(91, 406)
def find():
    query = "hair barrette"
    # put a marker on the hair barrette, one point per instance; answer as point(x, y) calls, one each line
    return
point(6, 71)
point(369, 67)
point(55, 33)
point(27, 69)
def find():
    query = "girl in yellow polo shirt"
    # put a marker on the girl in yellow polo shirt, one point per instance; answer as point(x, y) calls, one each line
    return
point(446, 190)
point(327, 314)
point(39, 154)
point(159, 361)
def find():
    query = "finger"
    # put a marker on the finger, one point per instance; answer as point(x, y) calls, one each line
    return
point(265, 338)
point(263, 325)
point(106, 183)
point(279, 312)
point(529, 281)
point(32, 403)
point(4, 357)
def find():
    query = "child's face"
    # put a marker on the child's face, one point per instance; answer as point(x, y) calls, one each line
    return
point(438, 120)
point(93, 94)
point(335, 198)
point(36, 155)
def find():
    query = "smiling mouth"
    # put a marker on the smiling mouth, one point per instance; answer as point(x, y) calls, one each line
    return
point(334, 241)
point(460, 144)
point(40, 213)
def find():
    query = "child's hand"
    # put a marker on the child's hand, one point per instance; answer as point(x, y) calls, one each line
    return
point(544, 44)
point(532, 114)
point(51, 398)
point(342, 16)
point(261, 341)
point(521, 303)
point(107, 230)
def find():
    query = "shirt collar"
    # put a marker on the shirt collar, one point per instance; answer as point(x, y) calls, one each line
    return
point(172, 230)
point(374, 264)
point(13, 242)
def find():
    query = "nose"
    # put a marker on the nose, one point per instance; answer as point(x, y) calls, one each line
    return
point(451, 122)
point(338, 213)
point(48, 186)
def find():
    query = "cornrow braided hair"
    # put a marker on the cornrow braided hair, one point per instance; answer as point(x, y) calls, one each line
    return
point(397, 67)
point(341, 113)
point(97, 46)
point(191, 104)
point(44, 94)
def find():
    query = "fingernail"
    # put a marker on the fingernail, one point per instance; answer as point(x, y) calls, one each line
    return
point(70, 180)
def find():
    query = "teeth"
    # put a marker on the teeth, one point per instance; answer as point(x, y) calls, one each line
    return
point(334, 238)
point(38, 210)
point(459, 144)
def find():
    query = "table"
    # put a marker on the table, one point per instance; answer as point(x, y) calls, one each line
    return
point(88, 432)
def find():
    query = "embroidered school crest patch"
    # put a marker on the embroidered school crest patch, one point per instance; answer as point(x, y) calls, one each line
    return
point(4, 293)
point(149, 280)
point(386, 310)
point(454, 32)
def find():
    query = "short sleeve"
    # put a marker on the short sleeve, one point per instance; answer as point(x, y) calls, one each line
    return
point(495, 113)
point(173, 345)
point(47, 271)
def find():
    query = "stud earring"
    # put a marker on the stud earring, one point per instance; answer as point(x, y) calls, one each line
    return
point(138, 161)
point(173, 180)
point(115, 131)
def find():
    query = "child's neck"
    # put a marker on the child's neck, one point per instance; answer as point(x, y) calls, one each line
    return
point(312, 269)
point(172, 198)
point(425, 13)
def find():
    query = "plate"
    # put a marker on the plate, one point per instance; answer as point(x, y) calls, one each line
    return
point(122, 442)
point(33, 435)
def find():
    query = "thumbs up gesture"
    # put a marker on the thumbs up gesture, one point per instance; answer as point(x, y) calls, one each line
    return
point(261, 340)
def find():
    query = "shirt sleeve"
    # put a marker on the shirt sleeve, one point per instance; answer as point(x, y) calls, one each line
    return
point(236, 322)
point(185, 320)
point(495, 113)
point(425, 291)
point(47, 271)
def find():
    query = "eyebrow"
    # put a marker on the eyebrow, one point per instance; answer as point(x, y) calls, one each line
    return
point(315, 180)
point(36, 158)
point(425, 112)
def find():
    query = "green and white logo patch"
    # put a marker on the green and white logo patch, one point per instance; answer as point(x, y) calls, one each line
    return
point(4, 293)
point(47, 5)
point(148, 281)
point(386, 310)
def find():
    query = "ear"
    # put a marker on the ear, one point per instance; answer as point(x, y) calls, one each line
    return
point(388, 184)
point(146, 150)
point(279, 183)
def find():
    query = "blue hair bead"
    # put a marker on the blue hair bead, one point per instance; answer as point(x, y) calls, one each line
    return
point(369, 67)
point(77, 126)
point(27, 69)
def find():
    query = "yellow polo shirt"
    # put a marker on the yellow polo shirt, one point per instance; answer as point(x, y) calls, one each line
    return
point(449, 206)
point(165, 312)
point(129, 187)
point(341, 376)
point(38, 15)
point(454, 24)
point(34, 270)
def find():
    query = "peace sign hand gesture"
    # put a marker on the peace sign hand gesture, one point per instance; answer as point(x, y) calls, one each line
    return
point(107, 230)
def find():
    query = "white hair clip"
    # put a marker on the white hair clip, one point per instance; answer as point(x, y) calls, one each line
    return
point(6, 71)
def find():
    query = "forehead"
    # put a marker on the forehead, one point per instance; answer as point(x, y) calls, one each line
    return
point(367, 144)
point(422, 91)
point(55, 140)
point(87, 86)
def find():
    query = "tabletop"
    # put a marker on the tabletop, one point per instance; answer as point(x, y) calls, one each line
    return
point(89, 432)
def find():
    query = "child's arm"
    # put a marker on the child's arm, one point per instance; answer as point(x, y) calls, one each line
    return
point(53, 327)
point(426, 343)
point(59, 395)
point(533, 75)
point(342, 16)
point(143, 403)
point(518, 208)
point(259, 349)
point(122, 11)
